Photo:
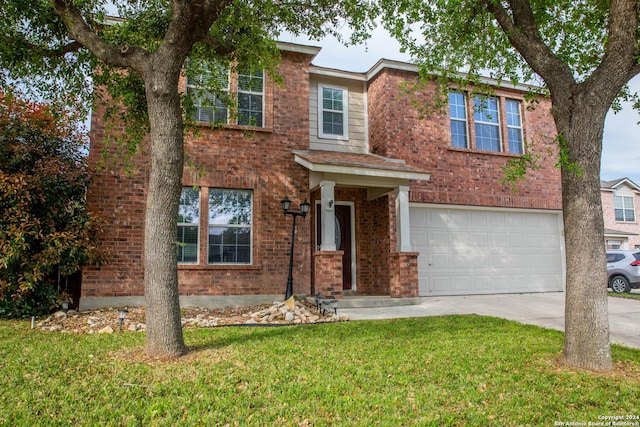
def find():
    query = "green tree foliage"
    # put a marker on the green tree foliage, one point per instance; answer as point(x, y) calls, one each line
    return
point(584, 53)
point(44, 226)
point(138, 59)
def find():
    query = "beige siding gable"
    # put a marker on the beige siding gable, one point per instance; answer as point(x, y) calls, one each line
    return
point(355, 140)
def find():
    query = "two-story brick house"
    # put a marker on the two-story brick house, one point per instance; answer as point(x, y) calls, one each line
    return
point(401, 206)
point(619, 200)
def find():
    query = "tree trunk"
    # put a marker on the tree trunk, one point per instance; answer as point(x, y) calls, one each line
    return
point(586, 344)
point(164, 330)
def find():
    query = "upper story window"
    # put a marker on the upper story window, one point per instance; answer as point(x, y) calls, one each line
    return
point(333, 111)
point(514, 126)
point(490, 129)
point(244, 91)
point(458, 118)
point(229, 226)
point(487, 123)
point(188, 225)
point(623, 207)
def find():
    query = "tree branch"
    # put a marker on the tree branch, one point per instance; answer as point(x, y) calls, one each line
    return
point(129, 57)
point(621, 51)
point(524, 35)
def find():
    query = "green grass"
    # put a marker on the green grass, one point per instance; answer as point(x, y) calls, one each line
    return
point(454, 370)
point(629, 296)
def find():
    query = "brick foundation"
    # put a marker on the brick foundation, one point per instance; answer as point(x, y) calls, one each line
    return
point(328, 273)
point(404, 275)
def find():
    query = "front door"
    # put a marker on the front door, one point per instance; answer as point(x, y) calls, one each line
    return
point(343, 241)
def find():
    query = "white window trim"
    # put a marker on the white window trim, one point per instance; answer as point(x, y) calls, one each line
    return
point(633, 207)
point(248, 92)
point(508, 145)
point(209, 225)
point(498, 125)
point(345, 112)
point(457, 119)
point(193, 224)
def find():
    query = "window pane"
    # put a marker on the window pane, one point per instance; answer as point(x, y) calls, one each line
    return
point(230, 219)
point(513, 113)
point(250, 81)
point(458, 134)
point(189, 209)
point(486, 109)
point(619, 214)
point(457, 107)
point(229, 207)
point(487, 137)
point(229, 245)
point(515, 141)
point(332, 123)
point(458, 119)
point(250, 110)
point(332, 99)
point(188, 243)
point(188, 219)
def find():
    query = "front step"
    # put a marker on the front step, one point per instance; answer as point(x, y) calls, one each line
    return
point(375, 301)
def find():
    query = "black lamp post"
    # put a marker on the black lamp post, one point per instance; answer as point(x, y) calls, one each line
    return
point(304, 210)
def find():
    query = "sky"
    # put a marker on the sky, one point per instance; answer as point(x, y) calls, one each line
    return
point(621, 143)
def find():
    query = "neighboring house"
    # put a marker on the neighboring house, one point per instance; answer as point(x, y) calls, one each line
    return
point(620, 198)
point(401, 206)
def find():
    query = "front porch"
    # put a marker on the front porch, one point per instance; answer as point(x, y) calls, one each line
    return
point(360, 227)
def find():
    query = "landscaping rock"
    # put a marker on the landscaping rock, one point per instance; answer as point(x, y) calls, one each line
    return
point(107, 321)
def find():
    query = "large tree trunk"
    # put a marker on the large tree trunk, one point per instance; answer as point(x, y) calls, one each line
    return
point(164, 330)
point(586, 343)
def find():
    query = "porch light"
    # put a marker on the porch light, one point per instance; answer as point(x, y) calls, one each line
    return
point(304, 210)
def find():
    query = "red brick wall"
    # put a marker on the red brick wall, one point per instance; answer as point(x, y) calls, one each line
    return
point(459, 176)
point(237, 158)
point(404, 275)
point(328, 273)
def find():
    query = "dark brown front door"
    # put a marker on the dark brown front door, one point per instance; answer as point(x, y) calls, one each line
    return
point(343, 240)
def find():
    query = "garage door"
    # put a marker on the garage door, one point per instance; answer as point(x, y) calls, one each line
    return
point(477, 251)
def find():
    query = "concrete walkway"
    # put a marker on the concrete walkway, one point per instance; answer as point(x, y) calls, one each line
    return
point(542, 309)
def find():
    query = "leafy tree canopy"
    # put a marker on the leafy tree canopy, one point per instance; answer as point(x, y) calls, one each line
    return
point(44, 226)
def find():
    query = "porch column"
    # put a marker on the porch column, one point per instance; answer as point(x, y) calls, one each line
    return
point(403, 235)
point(327, 216)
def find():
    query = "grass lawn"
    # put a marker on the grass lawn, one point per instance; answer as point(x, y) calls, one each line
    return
point(629, 296)
point(453, 370)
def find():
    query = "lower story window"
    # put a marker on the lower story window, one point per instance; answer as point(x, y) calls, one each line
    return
point(230, 219)
point(188, 225)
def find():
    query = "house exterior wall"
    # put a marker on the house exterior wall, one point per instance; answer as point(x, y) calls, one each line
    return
point(629, 241)
point(231, 158)
point(459, 176)
point(382, 120)
point(357, 138)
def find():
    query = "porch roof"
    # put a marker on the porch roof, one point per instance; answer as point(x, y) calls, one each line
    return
point(379, 175)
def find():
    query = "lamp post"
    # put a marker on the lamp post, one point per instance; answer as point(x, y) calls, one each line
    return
point(304, 210)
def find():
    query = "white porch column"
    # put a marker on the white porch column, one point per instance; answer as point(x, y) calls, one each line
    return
point(327, 216)
point(403, 234)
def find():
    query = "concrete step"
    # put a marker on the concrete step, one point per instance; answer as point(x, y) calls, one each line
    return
point(375, 301)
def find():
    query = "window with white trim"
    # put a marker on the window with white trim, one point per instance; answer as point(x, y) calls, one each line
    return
point(458, 119)
point(487, 123)
point(230, 219)
point(514, 126)
point(247, 87)
point(188, 225)
point(250, 97)
point(333, 110)
point(623, 207)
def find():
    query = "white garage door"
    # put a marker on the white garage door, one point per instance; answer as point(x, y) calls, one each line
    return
point(481, 251)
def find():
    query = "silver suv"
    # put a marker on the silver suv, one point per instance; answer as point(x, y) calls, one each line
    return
point(623, 268)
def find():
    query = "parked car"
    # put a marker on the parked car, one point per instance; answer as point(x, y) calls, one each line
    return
point(623, 268)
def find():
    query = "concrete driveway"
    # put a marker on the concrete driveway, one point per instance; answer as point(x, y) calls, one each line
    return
point(542, 309)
